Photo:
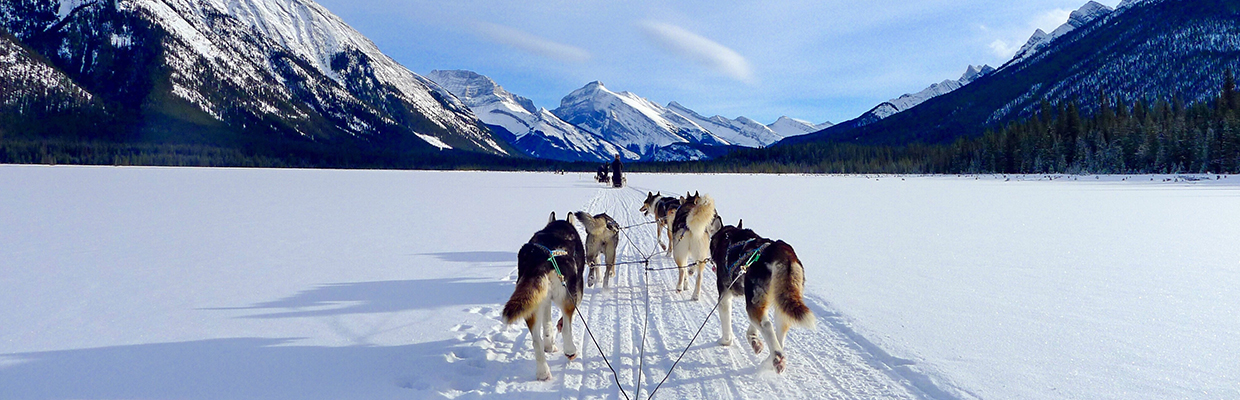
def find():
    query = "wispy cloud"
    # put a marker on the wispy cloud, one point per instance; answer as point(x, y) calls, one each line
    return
point(1052, 19)
point(699, 49)
point(532, 44)
point(1002, 49)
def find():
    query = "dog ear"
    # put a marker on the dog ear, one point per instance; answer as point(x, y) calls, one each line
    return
point(741, 224)
point(552, 218)
point(695, 194)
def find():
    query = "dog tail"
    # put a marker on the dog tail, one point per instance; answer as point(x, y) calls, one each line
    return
point(525, 299)
point(789, 281)
point(586, 220)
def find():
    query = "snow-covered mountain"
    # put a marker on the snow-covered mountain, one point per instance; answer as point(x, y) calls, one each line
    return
point(535, 131)
point(741, 131)
point(1084, 15)
point(631, 121)
point(787, 126)
point(265, 71)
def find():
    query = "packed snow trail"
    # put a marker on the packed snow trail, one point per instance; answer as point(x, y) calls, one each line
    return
point(828, 362)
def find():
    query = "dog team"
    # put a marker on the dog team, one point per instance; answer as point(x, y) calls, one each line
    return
point(766, 272)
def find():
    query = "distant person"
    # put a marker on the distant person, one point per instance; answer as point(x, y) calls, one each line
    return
point(616, 180)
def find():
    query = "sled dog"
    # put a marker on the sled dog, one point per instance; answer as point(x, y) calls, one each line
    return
point(602, 236)
point(769, 272)
point(548, 272)
point(663, 209)
point(695, 222)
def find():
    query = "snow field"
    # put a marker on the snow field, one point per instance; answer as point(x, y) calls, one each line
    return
point(317, 284)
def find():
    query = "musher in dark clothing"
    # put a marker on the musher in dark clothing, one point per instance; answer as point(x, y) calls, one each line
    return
point(616, 181)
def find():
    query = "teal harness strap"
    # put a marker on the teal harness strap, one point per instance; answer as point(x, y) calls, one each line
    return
point(552, 254)
point(753, 257)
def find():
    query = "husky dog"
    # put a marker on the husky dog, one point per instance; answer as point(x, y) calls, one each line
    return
point(769, 271)
point(602, 236)
point(663, 209)
point(695, 222)
point(548, 271)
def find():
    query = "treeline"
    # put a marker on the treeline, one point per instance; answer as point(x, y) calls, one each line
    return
point(1163, 136)
point(77, 151)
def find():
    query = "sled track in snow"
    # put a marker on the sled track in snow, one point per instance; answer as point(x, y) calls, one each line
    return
point(829, 361)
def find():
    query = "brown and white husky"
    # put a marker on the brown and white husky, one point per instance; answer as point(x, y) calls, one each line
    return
point(548, 272)
point(768, 271)
point(602, 236)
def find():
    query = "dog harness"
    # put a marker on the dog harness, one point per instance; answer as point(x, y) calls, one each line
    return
point(552, 254)
point(748, 258)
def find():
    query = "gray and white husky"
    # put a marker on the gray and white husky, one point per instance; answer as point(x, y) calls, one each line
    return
point(768, 271)
point(695, 222)
point(548, 272)
point(663, 209)
point(602, 236)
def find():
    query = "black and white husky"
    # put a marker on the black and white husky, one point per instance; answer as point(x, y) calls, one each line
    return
point(768, 271)
point(602, 236)
point(548, 271)
point(695, 222)
point(663, 209)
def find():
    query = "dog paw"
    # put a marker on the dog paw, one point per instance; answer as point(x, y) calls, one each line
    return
point(694, 297)
point(756, 344)
point(544, 375)
point(593, 279)
point(571, 357)
point(725, 342)
point(779, 362)
point(550, 349)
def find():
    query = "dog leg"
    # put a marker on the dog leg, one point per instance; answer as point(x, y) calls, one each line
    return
point(752, 336)
point(781, 328)
point(610, 253)
point(592, 276)
point(776, 359)
point(570, 347)
point(548, 335)
point(697, 290)
point(543, 371)
point(725, 317)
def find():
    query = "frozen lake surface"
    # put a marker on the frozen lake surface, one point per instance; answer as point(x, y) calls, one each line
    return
point(319, 284)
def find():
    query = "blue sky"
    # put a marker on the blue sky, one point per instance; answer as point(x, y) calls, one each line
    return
point(818, 60)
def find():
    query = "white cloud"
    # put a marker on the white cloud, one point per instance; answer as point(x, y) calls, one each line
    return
point(1050, 20)
point(532, 44)
point(699, 49)
point(1002, 49)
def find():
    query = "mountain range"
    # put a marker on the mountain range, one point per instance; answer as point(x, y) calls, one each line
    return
point(594, 123)
point(1140, 51)
point(287, 77)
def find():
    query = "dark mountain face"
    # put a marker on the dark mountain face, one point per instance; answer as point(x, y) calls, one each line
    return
point(1152, 50)
point(184, 71)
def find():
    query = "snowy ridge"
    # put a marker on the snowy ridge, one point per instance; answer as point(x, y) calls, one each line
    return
point(741, 131)
point(536, 131)
point(786, 126)
point(1087, 13)
point(25, 79)
point(631, 121)
point(910, 100)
